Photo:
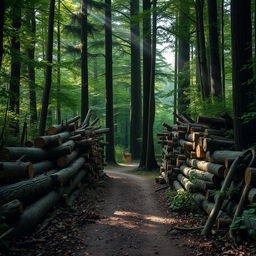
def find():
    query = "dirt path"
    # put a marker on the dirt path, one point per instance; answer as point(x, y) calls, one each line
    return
point(133, 225)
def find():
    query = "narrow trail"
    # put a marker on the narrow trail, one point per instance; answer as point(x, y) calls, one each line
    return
point(134, 224)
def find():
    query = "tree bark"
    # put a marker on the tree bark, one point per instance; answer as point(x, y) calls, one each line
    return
point(110, 149)
point(2, 16)
point(202, 61)
point(15, 66)
point(150, 151)
point(136, 115)
point(84, 60)
point(31, 67)
point(183, 57)
point(48, 73)
point(146, 77)
point(28, 190)
point(242, 73)
point(58, 110)
point(215, 68)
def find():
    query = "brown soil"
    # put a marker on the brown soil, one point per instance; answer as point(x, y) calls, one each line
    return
point(134, 224)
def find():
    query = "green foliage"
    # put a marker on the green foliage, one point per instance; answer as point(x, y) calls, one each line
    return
point(248, 217)
point(119, 153)
point(180, 200)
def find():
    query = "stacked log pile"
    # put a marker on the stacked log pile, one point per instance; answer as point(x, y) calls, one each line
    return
point(55, 166)
point(197, 157)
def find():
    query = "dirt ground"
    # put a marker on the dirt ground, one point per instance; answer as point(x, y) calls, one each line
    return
point(123, 215)
point(134, 224)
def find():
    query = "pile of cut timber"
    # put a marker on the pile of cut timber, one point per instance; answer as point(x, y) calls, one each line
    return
point(197, 157)
point(56, 166)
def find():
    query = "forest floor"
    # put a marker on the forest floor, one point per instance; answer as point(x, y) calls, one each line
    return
point(124, 215)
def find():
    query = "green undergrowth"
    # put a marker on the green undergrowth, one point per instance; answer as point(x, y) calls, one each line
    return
point(182, 201)
point(152, 174)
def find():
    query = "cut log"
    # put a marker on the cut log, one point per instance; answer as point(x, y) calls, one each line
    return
point(187, 145)
point(64, 161)
point(167, 126)
point(189, 186)
point(28, 190)
point(217, 144)
point(252, 196)
point(219, 156)
point(74, 182)
point(250, 176)
point(11, 211)
point(62, 177)
point(215, 169)
point(36, 154)
point(54, 129)
point(213, 122)
point(178, 186)
point(87, 118)
point(10, 171)
point(197, 174)
point(200, 152)
point(33, 215)
point(40, 168)
point(95, 121)
point(75, 194)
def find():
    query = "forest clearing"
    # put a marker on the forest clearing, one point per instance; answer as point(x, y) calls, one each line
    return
point(127, 127)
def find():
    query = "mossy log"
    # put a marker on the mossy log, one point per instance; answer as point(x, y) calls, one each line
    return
point(197, 174)
point(36, 154)
point(178, 187)
point(213, 122)
point(217, 144)
point(38, 168)
point(11, 211)
point(216, 169)
point(63, 176)
point(64, 161)
point(189, 186)
point(32, 216)
point(219, 156)
point(10, 171)
point(28, 190)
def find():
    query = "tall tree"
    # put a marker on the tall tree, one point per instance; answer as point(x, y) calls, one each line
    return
point(136, 114)
point(31, 67)
point(48, 72)
point(215, 67)
point(150, 153)
point(146, 76)
point(15, 64)
point(242, 73)
point(110, 149)
point(201, 50)
point(2, 16)
point(183, 56)
point(84, 60)
point(58, 66)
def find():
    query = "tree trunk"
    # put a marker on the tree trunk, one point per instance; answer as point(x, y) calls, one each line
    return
point(84, 61)
point(150, 153)
point(15, 66)
point(202, 61)
point(136, 115)
point(110, 149)
point(2, 12)
point(48, 73)
point(58, 110)
point(242, 73)
point(31, 68)
point(183, 57)
point(146, 76)
point(215, 68)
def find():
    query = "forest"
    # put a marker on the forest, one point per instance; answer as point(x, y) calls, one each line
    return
point(133, 64)
point(169, 83)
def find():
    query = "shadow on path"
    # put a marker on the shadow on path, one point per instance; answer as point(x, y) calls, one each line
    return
point(133, 224)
